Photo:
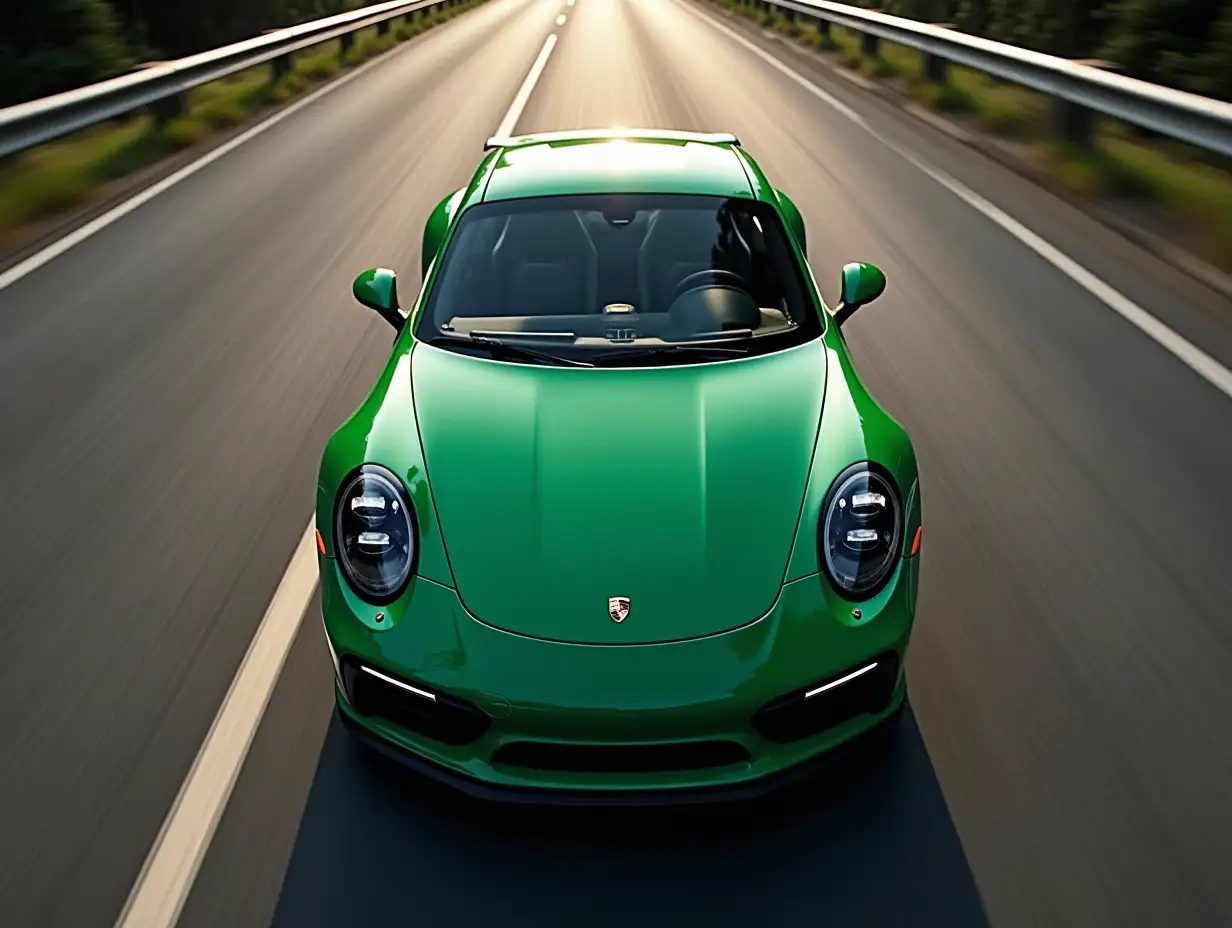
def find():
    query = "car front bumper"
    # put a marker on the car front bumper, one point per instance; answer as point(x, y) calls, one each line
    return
point(506, 717)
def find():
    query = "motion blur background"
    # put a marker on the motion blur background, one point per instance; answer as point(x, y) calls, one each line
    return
point(54, 45)
point(168, 378)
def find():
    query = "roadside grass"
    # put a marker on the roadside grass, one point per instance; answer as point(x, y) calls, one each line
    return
point(44, 181)
point(1196, 193)
point(1192, 186)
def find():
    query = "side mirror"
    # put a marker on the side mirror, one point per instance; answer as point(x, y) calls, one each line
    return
point(794, 220)
point(436, 227)
point(377, 289)
point(862, 283)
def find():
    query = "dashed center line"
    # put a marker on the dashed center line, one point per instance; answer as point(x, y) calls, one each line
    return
point(528, 86)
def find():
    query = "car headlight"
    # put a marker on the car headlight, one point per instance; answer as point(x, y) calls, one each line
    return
point(375, 534)
point(860, 532)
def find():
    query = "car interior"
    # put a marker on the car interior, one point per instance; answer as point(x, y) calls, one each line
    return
point(613, 274)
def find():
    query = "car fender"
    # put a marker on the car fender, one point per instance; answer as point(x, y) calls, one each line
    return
point(854, 428)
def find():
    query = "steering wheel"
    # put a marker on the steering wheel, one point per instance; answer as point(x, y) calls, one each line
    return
point(713, 277)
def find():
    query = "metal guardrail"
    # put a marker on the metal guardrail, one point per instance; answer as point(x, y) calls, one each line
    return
point(1198, 120)
point(28, 124)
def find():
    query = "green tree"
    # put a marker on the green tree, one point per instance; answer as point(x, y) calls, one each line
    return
point(1215, 65)
point(185, 27)
point(972, 16)
point(1165, 40)
point(1179, 43)
point(56, 45)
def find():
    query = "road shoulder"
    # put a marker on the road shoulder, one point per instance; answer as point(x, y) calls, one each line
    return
point(241, 876)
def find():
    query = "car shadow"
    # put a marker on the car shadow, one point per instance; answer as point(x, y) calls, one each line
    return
point(873, 845)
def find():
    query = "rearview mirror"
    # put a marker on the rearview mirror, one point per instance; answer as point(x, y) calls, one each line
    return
point(377, 289)
point(862, 283)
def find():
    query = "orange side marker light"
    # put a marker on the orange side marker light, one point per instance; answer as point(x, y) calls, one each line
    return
point(915, 545)
point(321, 543)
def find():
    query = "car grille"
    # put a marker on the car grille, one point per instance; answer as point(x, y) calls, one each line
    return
point(620, 758)
point(835, 700)
point(433, 714)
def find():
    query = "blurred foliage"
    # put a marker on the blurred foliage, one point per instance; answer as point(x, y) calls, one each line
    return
point(181, 28)
point(52, 45)
point(48, 46)
point(55, 45)
point(1180, 43)
point(44, 181)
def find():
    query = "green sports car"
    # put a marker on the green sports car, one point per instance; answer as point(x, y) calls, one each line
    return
point(618, 522)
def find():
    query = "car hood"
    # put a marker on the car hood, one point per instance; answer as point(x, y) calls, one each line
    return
point(678, 488)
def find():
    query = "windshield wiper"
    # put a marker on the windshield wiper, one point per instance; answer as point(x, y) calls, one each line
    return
point(691, 352)
point(500, 349)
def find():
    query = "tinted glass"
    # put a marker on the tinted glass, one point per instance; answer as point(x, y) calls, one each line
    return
point(582, 274)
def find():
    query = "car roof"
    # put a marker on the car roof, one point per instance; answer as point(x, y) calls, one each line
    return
point(616, 161)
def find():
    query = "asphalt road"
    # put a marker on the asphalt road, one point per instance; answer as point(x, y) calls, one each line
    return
point(167, 386)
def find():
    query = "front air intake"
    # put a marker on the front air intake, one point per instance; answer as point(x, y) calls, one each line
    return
point(620, 758)
point(411, 706)
point(865, 688)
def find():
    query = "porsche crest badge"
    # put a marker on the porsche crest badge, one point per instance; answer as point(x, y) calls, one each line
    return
point(618, 608)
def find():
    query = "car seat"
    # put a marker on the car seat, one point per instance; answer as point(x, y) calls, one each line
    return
point(681, 242)
point(545, 264)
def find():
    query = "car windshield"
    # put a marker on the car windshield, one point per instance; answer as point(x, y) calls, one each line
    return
point(607, 278)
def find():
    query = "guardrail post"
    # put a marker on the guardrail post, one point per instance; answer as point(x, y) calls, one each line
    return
point(169, 108)
point(1073, 122)
point(166, 108)
point(870, 46)
point(345, 41)
point(936, 67)
point(822, 26)
point(382, 28)
point(281, 66)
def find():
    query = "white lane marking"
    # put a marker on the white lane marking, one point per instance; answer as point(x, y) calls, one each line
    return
point(1180, 347)
point(162, 888)
point(532, 78)
point(171, 867)
point(560, 20)
point(120, 210)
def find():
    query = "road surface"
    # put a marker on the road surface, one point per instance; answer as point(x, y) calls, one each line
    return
point(168, 384)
